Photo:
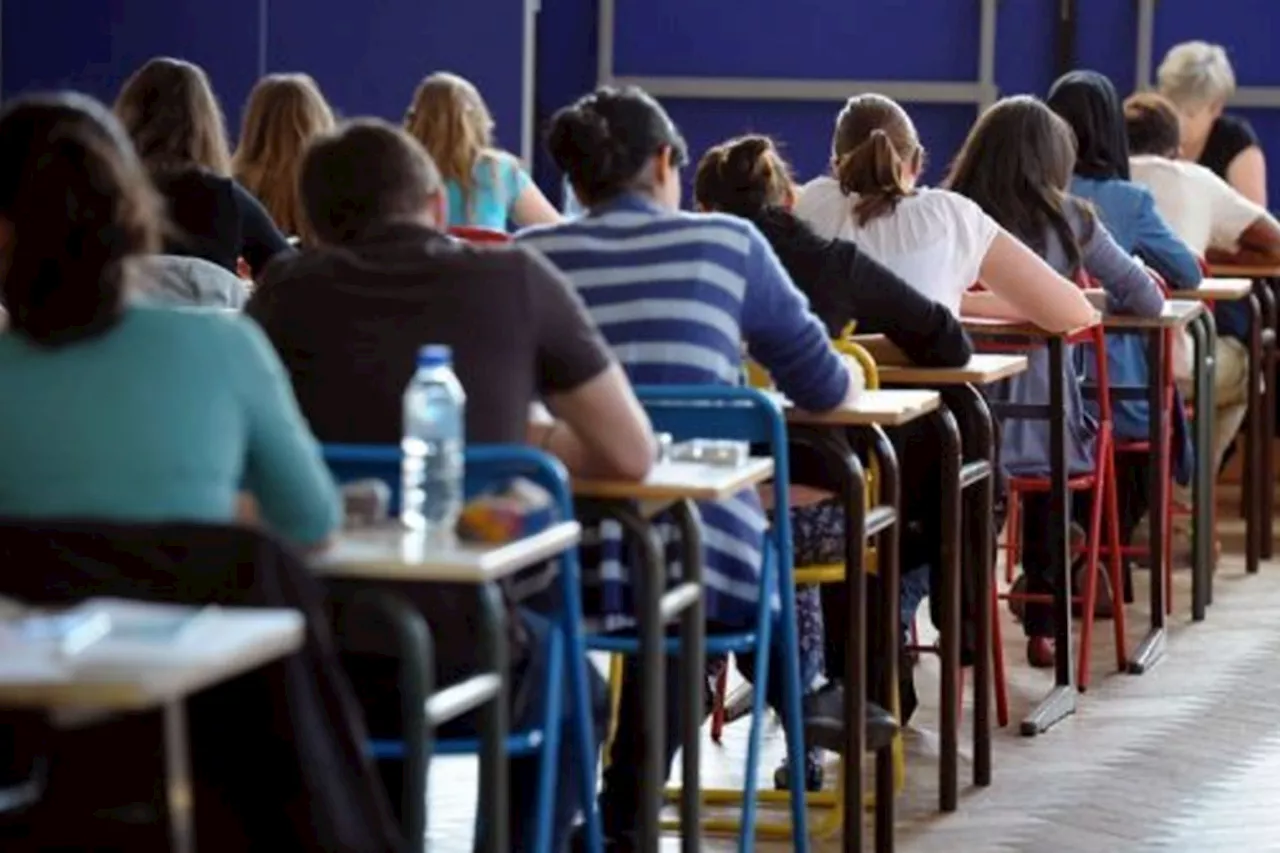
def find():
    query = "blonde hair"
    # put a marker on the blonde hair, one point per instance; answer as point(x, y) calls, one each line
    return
point(450, 119)
point(873, 142)
point(284, 113)
point(1196, 74)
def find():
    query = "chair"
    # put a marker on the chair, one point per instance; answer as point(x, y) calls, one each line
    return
point(1099, 483)
point(484, 466)
point(480, 236)
point(741, 414)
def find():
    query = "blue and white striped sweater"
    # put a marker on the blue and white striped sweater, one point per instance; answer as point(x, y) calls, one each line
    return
point(675, 295)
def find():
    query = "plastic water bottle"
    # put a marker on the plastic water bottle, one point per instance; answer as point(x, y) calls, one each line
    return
point(434, 430)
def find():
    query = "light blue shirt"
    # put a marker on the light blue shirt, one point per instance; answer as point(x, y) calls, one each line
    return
point(498, 181)
point(164, 417)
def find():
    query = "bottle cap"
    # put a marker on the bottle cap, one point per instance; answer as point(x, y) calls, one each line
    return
point(435, 355)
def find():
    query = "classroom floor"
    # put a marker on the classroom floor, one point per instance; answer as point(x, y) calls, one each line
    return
point(1184, 758)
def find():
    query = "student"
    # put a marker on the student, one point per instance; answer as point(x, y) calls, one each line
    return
point(1017, 164)
point(1089, 104)
point(747, 177)
point(1198, 79)
point(488, 188)
point(119, 410)
point(936, 240)
point(1211, 217)
point(169, 110)
point(676, 295)
point(284, 113)
point(348, 317)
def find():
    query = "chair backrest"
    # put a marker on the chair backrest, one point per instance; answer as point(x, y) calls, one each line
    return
point(480, 235)
point(730, 413)
point(485, 465)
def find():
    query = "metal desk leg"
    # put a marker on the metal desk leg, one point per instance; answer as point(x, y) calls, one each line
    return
point(693, 629)
point(179, 796)
point(949, 641)
point(891, 634)
point(1267, 301)
point(1204, 337)
point(854, 488)
point(978, 523)
point(1061, 701)
point(494, 726)
point(1151, 649)
point(648, 583)
point(1254, 476)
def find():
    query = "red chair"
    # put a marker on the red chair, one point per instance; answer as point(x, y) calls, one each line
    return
point(480, 236)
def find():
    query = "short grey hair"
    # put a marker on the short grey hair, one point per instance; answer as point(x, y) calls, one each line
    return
point(1196, 73)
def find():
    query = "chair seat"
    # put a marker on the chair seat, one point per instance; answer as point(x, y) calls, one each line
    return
point(717, 644)
point(1043, 484)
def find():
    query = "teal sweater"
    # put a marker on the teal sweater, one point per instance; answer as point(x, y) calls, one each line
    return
point(166, 417)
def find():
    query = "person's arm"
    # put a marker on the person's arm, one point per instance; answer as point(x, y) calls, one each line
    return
point(527, 206)
point(601, 429)
point(786, 339)
point(260, 239)
point(1162, 250)
point(1129, 288)
point(1248, 174)
point(881, 302)
point(1024, 287)
point(1239, 226)
point(284, 469)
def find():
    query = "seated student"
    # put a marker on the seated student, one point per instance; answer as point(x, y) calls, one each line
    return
point(747, 177)
point(1017, 164)
point(284, 113)
point(1198, 79)
point(936, 240)
point(488, 188)
point(1211, 217)
point(348, 318)
point(1088, 102)
point(676, 295)
point(118, 410)
point(171, 114)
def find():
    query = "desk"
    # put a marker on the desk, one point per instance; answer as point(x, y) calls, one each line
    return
point(827, 434)
point(674, 485)
point(1061, 700)
point(1259, 492)
point(230, 642)
point(394, 554)
point(1176, 314)
point(961, 395)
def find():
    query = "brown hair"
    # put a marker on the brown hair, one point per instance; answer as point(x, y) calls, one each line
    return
point(450, 119)
point(1152, 122)
point(175, 121)
point(874, 143)
point(1017, 164)
point(79, 204)
point(743, 176)
point(365, 174)
point(283, 114)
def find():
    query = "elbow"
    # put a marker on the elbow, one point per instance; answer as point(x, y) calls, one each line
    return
point(957, 351)
point(635, 463)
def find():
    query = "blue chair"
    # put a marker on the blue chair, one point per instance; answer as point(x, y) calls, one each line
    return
point(743, 414)
point(485, 466)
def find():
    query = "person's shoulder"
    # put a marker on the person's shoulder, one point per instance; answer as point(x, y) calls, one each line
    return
point(1235, 130)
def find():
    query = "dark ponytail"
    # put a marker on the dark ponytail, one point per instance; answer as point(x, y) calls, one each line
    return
point(605, 140)
point(79, 205)
point(874, 142)
point(743, 176)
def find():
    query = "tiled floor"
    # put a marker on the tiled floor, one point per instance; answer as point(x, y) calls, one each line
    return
point(1184, 758)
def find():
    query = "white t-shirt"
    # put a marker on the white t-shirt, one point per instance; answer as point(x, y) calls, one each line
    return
point(1202, 209)
point(935, 239)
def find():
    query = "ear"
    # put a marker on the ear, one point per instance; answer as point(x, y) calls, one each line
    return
point(789, 198)
point(438, 210)
point(662, 166)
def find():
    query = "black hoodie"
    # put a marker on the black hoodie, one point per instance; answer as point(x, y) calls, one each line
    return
point(843, 283)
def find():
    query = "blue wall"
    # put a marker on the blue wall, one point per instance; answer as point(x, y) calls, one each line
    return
point(368, 56)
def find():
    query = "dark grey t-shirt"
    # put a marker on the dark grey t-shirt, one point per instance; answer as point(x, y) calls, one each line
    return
point(348, 322)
